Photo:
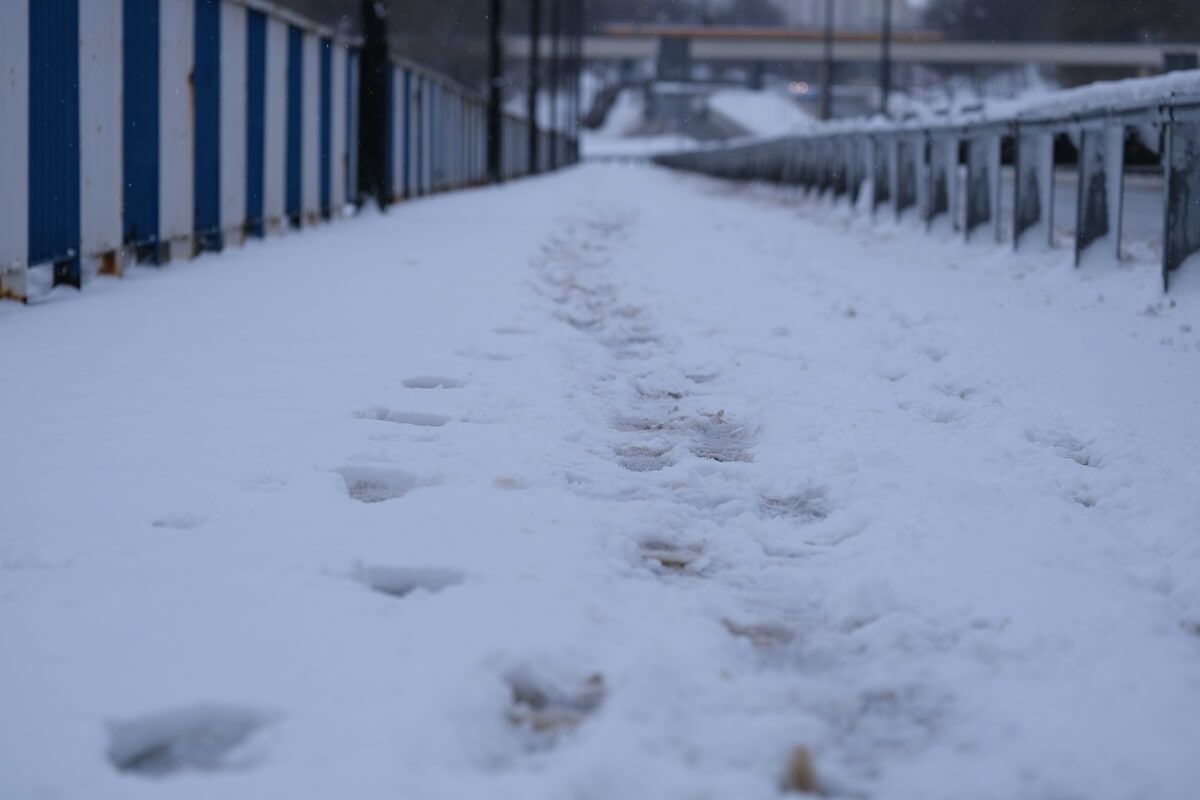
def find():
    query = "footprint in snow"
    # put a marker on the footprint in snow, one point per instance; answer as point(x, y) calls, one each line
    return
point(1065, 445)
point(185, 521)
point(546, 708)
point(432, 382)
point(375, 484)
point(403, 581)
point(205, 738)
point(417, 418)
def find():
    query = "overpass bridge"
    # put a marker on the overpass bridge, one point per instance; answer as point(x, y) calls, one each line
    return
point(635, 42)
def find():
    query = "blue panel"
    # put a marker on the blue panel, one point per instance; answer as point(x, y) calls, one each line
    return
point(256, 110)
point(407, 133)
point(54, 137)
point(206, 83)
point(390, 176)
point(419, 107)
point(326, 125)
point(295, 96)
point(140, 126)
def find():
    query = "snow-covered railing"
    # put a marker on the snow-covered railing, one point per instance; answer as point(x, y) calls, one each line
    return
point(951, 168)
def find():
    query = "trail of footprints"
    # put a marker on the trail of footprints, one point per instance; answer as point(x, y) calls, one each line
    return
point(543, 708)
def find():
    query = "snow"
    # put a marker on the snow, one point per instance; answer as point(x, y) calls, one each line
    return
point(765, 112)
point(615, 137)
point(612, 483)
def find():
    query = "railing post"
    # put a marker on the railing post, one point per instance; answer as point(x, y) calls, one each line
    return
point(1181, 165)
point(982, 150)
point(1098, 199)
point(938, 194)
point(1033, 185)
point(879, 174)
point(906, 173)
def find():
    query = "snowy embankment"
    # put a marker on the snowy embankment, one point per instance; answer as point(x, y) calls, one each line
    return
point(766, 112)
point(612, 484)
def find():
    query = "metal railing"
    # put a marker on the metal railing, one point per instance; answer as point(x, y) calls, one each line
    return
point(952, 169)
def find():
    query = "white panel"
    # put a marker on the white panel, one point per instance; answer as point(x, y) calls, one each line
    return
point(233, 120)
point(100, 126)
point(310, 130)
point(276, 127)
point(352, 145)
point(337, 170)
point(14, 139)
point(175, 134)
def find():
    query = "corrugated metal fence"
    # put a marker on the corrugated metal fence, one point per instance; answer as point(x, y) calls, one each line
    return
point(150, 130)
point(954, 170)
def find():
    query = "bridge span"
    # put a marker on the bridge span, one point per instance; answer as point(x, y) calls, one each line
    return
point(774, 44)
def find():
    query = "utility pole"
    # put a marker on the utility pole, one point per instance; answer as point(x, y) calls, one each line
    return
point(827, 64)
point(495, 88)
point(535, 30)
point(555, 36)
point(885, 64)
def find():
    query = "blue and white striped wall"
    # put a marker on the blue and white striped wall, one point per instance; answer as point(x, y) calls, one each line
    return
point(437, 134)
point(150, 129)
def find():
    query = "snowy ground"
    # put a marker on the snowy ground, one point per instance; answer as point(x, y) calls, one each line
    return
point(611, 484)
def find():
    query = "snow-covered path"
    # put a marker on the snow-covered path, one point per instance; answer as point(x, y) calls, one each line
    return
point(609, 484)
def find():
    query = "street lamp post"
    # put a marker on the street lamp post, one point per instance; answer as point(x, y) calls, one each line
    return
point(555, 36)
point(495, 88)
point(885, 63)
point(827, 64)
point(535, 29)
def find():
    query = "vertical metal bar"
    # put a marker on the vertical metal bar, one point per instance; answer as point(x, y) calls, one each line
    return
point(1115, 146)
point(555, 68)
point(1092, 197)
point(535, 32)
point(295, 119)
point(256, 119)
point(879, 174)
point(408, 133)
point(1181, 231)
point(140, 120)
point(100, 126)
point(891, 151)
point(206, 141)
point(325, 157)
point(374, 69)
point(978, 199)
point(351, 126)
point(15, 168)
point(906, 174)
point(390, 162)
point(939, 177)
point(1027, 182)
point(495, 88)
point(885, 60)
point(54, 138)
point(827, 64)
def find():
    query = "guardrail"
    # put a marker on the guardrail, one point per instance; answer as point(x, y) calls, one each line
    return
point(151, 130)
point(952, 169)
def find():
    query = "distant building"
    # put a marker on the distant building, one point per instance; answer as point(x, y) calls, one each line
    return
point(851, 15)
